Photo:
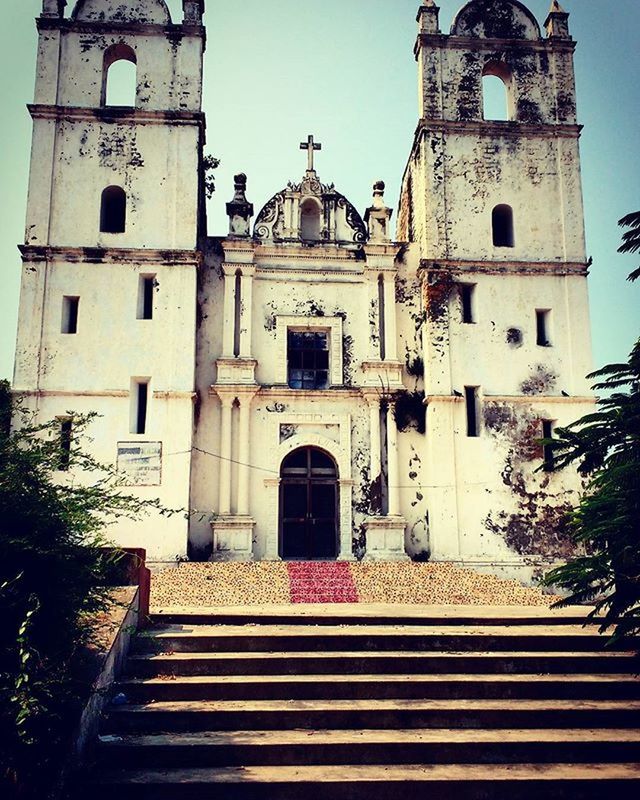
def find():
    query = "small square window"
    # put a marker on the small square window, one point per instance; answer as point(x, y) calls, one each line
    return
point(308, 360)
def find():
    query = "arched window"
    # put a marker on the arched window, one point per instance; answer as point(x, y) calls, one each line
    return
point(502, 225)
point(310, 221)
point(496, 92)
point(113, 210)
point(119, 76)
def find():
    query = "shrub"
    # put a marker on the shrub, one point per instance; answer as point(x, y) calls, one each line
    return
point(52, 586)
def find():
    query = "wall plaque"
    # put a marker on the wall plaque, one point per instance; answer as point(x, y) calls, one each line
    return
point(140, 463)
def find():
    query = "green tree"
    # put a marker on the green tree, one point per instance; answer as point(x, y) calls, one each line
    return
point(631, 238)
point(606, 525)
point(53, 572)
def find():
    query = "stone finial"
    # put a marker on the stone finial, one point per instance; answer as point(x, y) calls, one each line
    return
point(378, 216)
point(239, 210)
point(428, 17)
point(557, 23)
point(53, 8)
point(193, 11)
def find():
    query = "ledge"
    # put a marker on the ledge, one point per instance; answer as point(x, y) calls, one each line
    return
point(69, 25)
point(453, 42)
point(490, 267)
point(109, 255)
point(509, 129)
point(116, 114)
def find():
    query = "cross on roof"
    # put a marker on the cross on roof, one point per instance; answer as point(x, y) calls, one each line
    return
point(310, 146)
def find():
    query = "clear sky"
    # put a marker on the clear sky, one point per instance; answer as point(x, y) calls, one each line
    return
point(344, 70)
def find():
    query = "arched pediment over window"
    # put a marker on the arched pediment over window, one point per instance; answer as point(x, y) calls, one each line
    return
point(151, 12)
point(311, 213)
point(496, 19)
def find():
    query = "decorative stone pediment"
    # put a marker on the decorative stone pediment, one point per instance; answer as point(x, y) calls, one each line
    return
point(310, 212)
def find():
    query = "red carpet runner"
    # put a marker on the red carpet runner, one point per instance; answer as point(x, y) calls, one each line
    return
point(321, 582)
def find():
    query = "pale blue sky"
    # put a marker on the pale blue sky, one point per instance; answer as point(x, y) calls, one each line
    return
point(344, 71)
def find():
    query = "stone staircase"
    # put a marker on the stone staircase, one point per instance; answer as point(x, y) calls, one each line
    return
point(354, 702)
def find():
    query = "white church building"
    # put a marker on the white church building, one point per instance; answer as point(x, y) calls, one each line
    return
point(313, 385)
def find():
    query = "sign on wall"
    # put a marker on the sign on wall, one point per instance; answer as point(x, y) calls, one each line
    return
point(140, 463)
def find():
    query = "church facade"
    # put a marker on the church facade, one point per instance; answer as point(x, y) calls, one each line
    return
point(311, 386)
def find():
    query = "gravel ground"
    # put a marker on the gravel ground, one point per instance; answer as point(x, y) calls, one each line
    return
point(267, 583)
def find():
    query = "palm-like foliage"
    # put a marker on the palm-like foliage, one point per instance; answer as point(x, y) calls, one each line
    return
point(606, 524)
point(631, 238)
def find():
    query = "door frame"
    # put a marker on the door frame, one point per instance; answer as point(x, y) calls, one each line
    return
point(308, 481)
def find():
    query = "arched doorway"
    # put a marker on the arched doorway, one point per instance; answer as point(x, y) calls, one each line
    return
point(309, 506)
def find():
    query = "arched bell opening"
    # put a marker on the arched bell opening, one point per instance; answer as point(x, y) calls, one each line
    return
point(309, 503)
point(310, 221)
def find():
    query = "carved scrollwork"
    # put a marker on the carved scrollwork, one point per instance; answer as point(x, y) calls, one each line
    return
point(354, 220)
point(266, 226)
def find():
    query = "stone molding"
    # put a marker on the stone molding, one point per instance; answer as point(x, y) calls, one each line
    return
point(116, 114)
point(515, 398)
point(510, 129)
point(69, 25)
point(157, 395)
point(493, 267)
point(443, 41)
point(110, 255)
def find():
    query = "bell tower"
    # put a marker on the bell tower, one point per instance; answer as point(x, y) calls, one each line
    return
point(491, 206)
point(114, 217)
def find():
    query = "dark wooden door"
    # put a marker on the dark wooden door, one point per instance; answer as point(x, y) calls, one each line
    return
point(308, 506)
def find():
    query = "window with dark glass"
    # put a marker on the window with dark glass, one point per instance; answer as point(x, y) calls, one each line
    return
point(308, 360)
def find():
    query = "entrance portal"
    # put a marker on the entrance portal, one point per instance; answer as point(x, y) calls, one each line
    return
point(309, 506)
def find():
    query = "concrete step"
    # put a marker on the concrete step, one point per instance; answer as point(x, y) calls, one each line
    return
point(438, 746)
point(373, 614)
point(378, 662)
point(295, 638)
point(232, 715)
point(363, 687)
point(353, 782)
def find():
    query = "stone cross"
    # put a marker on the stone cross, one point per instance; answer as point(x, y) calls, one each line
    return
point(310, 146)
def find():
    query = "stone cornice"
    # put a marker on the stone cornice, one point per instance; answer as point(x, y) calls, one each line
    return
point(158, 395)
point(119, 28)
point(489, 267)
point(443, 41)
point(515, 398)
point(116, 114)
point(109, 255)
point(493, 128)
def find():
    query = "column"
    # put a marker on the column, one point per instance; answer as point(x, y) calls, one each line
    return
point(392, 459)
point(244, 455)
point(247, 312)
point(390, 338)
point(374, 330)
point(374, 427)
point(224, 502)
point(229, 314)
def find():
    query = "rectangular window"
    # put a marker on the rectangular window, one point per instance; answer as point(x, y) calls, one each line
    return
point(471, 399)
point(542, 327)
point(146, 287)
point(65, 444)
point(139, 405)
point(308, 359)
point(467, 291)
point(547, 450)
point(70, 307)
